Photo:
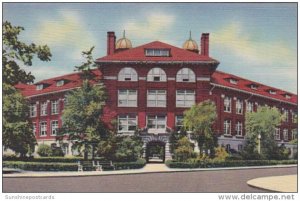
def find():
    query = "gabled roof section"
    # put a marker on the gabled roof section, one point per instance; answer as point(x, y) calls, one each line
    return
point(74, 81)
point(221, 78)
point(138, 54)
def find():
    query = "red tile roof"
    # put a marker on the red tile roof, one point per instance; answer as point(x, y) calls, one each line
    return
point(138, 54)
point(72, 81)
point(222, 78)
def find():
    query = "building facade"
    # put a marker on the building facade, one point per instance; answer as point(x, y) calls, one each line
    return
point(150, 86)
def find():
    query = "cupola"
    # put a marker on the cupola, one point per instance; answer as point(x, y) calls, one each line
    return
point(190, 44)
point(123, 43)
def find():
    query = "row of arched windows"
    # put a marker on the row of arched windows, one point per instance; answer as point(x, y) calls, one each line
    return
point(157, 75)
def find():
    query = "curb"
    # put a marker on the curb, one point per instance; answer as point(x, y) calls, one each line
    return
point(129, 172)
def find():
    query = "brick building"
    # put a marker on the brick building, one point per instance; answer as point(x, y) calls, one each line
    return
point(151, 85)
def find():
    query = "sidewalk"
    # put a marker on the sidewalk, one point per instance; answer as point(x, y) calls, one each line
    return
point(287, 183)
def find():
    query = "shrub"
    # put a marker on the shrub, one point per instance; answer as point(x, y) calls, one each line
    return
point(57, 151)
point(184, 150)
point(140, 163)
point(40, 166)
point(44, 150)
point(129, 148)
point(220, 153)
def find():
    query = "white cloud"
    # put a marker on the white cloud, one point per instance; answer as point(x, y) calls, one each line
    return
point(152, 26)
point(45, 72)
point(66, 30)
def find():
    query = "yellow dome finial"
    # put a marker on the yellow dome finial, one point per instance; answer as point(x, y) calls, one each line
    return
point(190, 44)
point(123, 43)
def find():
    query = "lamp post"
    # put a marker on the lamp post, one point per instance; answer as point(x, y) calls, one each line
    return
point(259, 138)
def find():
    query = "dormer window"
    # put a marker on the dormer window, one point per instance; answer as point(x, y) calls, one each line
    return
point(287, 96)
point(157, 52)
point(39, 87)
point(233, 81)
point(60, 83)
point(253, 86)
point(272, 92)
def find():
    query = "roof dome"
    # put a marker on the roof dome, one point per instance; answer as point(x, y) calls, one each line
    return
point(123, 43)
point(190, 44)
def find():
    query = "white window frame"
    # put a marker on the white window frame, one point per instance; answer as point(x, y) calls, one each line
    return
point(54, 107)
point(39, 86)
point(128, 99)
point(157, 52)
point(277, 134)
point(249, 106)
point(239, 106)
point(227, 104)
point(60, 83)
point(43, 128)
point(178, 126)
point(128, 119)
point(158, 97)
point(156, 75)
point(285, 133)
point(157, 129)
point(44, 108)
point(54, 129)
point(227, 127)
point(33, 110)
point(233, 81)
point(294, 116)
point(187, 97)
point(128, 74)
point(285, 115)
point(239, 128)
point(185, 75)
point(294, 134)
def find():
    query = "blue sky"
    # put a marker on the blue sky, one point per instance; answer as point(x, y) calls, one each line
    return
point(252, 40)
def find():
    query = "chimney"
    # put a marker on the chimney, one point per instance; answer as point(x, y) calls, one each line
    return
point(111, 42)
point(205, 44)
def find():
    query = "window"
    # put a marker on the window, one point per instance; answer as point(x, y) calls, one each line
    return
point(127, 74)
point(233, 81)
point(239, 106)
point(253, 86)
point(54, 107)
point(156, 98)
point(156, 123)
point(156, 75)
point(127, 123)
point(127, 98)
point(44, 108)
point(294, 134)
point(277, 134)
point(239, 128)
point(271, 91)
point(185, 75)
point(60, 83)
point(227, 127)
point(285, 133)
point(250, 106)
point(39, 87)
point(54, 127)
point(43, 128)
point(227, 104)
point(287, 96)
point(34, 128)
point(157, 52)
point(32, 110)
point(285, 115)
point(185, 98)
point(294, 116)
point(228, 148)
point(179, 122)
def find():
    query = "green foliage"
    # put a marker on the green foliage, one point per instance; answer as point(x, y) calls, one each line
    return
point(16, 53)
point(129, 148)
point(83, 110)
point(107, 148)
point(140, 163)
point(57, 151)
point(184, 150)
point(199, 119)
point(17, 128)
point(50, 159)
point(174, 137)
point(262, 122)
point(220, 153)
point(44, 150)
point(212, 163)
point(40, 166)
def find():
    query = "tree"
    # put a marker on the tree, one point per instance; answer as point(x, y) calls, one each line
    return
point(199, 119)
point(184, 150)
point(83, 110)
point(263, 123)
point(16, 53)
point(129, 148)
point(17, 129)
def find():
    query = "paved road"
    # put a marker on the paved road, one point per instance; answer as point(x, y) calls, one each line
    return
point(201, 181)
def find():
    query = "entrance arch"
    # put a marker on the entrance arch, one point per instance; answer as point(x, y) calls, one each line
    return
point(155, 152)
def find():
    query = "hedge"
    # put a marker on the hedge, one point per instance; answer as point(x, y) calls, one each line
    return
point(47, 159)
point(41, 166)
point(235, 163)
point(140, 163)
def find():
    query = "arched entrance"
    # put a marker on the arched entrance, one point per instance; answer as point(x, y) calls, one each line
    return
point(155, 152)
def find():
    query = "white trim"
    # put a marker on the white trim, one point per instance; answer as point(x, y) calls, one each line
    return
point(171, 78)
point(239, 90)
point(203, 78)
point(142, 78)
point(160, 62)
point(110, 77)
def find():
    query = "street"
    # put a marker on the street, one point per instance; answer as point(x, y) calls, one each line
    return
point(201, 181)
